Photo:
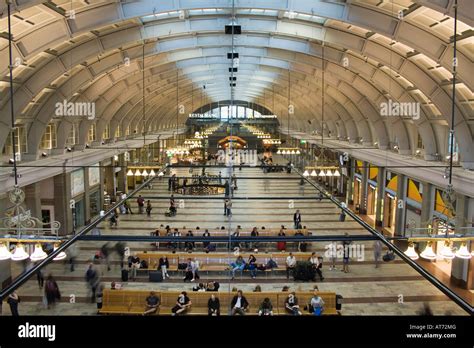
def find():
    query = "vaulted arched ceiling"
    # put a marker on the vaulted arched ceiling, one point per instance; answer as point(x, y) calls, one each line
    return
point(370, 56)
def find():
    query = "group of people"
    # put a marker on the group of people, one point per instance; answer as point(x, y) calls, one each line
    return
point(239, 305)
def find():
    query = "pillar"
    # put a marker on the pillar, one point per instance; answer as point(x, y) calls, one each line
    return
point(87, 200)
point(122, 174)
point(401, 205)
point(380, 197)
point(364, 187)
point(427, 204)
point(62, 194)
point(350, 182)
point(109, 179)
point(462, 270)
point(33, 199)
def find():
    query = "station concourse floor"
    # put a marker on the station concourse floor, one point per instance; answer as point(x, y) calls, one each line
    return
point(366, 290)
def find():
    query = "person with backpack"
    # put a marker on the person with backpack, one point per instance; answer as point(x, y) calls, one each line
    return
point(148, 208)
point(291, 304)
point(316, 306)
point(141, 204)
point(13, 300)
point(51, 291)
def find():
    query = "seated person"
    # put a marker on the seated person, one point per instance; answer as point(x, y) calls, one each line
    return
point(252, 266)
point(266, 308)
point(199, 287)
point(189, 246)
point(291, 304)
point(239, 304)
point(213, 286)
point(238, 265)
point(213, 306)
point(183, 303)
point(152, 304)
point(316, 305)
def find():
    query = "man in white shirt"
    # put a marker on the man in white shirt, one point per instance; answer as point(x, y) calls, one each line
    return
point(290, 264)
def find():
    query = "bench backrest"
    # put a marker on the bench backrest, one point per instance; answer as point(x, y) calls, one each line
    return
point(137, 298)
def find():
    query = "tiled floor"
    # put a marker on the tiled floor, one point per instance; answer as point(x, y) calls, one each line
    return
point(367, 290)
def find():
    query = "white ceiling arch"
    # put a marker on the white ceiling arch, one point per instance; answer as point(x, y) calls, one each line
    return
point(88, 17)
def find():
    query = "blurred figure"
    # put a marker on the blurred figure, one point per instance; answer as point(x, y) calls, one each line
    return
point(72, 252)
point(92, 279)
point(51, 291)
point(106, 254)
point(426, 310)
point(120, 249)
point(13, 300)
point(377, 252)
point(148, 208)
point(40, 278)
point(99, 296)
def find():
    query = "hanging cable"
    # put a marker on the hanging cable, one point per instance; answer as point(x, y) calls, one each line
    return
point(453, 105)
point(10, 38)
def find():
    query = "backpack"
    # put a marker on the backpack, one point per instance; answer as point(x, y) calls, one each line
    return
point(143, 264)
point(389, 256)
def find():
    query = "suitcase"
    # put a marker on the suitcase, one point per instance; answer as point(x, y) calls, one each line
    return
point(156, 277)
point(125, 275)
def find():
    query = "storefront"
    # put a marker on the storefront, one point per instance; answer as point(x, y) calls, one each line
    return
point(413, 205)
point(390, 201)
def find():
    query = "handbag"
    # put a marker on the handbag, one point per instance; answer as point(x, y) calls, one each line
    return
point(182, 266)
point(389, 256)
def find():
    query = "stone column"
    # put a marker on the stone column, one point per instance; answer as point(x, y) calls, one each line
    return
point(350, 182)
point(122, 174)
point(62, 194)
point(33, 199)
point(401, 205)
point(87, 201)
point(364, 187)
point(427, 204)
point(380, 196)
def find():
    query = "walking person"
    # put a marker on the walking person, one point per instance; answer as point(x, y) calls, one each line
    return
point(92, 279)
point(228, 208)
point(227, 188)
point(346, 254)
point(148, 208)
point(141, 204)
point(72, 252)
point(377, 252)
point(51, 291)
point(40, 278)
point(297, 219)
point(13, 300)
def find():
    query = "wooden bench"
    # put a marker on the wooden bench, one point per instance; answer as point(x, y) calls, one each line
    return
point(216, 261)
point(243, 233)
point(133, 302)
